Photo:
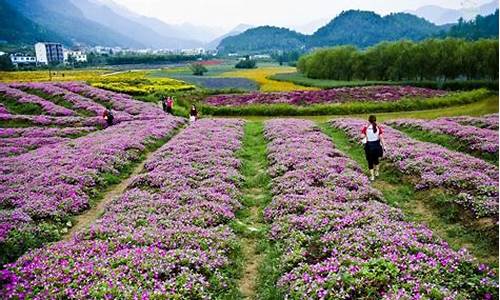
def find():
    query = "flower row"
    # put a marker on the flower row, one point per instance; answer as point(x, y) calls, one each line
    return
point(474, 181)
point(14, 141)
point(56, 181)
point(338, 242)
point(39, 132)
point(476, 139)
point(120, 102)
point(165, 238)
point(487, 121)
point(23, 97)
point(338, 95)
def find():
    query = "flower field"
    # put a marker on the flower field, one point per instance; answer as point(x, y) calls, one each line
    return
point(261, 76)
point(139, 83)
point(165, 236)
point(338, 242)
point(340, 95)
point(488, 121)
point(474, 181)
point(476, 139)
point(22, 97)
point(54, 182)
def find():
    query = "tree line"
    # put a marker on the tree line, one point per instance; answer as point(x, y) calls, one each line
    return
point(432, 59)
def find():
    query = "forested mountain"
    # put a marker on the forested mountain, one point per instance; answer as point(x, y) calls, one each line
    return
point(354, 27)
point(68, 22)
point(14, 27)
point(364, 28)
point(358, 28)
point(481, 27)
point(267, 38)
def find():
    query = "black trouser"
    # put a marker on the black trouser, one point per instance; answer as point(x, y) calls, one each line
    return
point(169, 109)
point(373, 150)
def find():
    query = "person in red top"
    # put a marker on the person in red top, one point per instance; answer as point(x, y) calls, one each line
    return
point(372, 138)
point(170, 105)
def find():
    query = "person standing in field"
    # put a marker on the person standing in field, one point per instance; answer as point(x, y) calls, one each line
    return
point(170, 105)
point(108, 116)
point(372, 138)
point(164, 104)
point(193, 114)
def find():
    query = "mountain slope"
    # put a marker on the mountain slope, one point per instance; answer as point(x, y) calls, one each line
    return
point(440, 15)
point(193, 35)
point(17, 29)
point(65, 19)
point(364, 28)
point(268, 38)
point(353, 27)
point(127, 26)
point(235, 31)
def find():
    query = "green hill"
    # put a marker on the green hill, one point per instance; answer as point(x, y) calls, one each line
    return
point(261, 38)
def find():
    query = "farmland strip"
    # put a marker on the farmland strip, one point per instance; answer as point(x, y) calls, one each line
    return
point(23, 97)
point(40, 190)
point(474, 180)
point(338, 241)
point(471, 138)
point(487, 121)
point(165, 237)
point(255, 195)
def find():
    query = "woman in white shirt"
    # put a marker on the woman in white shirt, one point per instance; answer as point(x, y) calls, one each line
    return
point(372, 138)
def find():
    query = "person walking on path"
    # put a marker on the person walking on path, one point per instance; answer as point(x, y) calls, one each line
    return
point(193, 114)
point(373, 140)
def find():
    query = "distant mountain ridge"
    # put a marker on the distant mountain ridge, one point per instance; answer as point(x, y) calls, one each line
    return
point(106, 23)
point(440, 15)
point(354, 27)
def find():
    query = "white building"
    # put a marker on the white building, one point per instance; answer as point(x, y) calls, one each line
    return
point(78, 56)
point(195, 51)
point(260, 56)
point(22, 59)
point(49, 53)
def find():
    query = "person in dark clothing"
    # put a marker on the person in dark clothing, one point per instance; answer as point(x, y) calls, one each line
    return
point(108, 117)
point(372, 138)
point(193, 114)
point(164, 104)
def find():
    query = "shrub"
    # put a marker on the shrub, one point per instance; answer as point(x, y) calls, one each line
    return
point(246, 64)
point(198, 69)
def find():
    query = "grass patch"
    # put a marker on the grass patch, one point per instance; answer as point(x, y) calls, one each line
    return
point(452, 85)
point(435, 208)
point(368, 107)
point(16, 107)
point(300, 79)
point(449, 142)
point(256, 194)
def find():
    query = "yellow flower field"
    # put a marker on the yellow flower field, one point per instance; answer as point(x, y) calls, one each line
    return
point(260, 75)
point(138, 83)
point(54, 75)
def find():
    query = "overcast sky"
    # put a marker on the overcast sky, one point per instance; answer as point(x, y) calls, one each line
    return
point(229, 13)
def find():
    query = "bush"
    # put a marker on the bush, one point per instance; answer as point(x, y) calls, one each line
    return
point(198, 69)
point(246, 64)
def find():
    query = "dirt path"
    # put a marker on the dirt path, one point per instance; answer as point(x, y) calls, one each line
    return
point(89, 217)
point(255, 195)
